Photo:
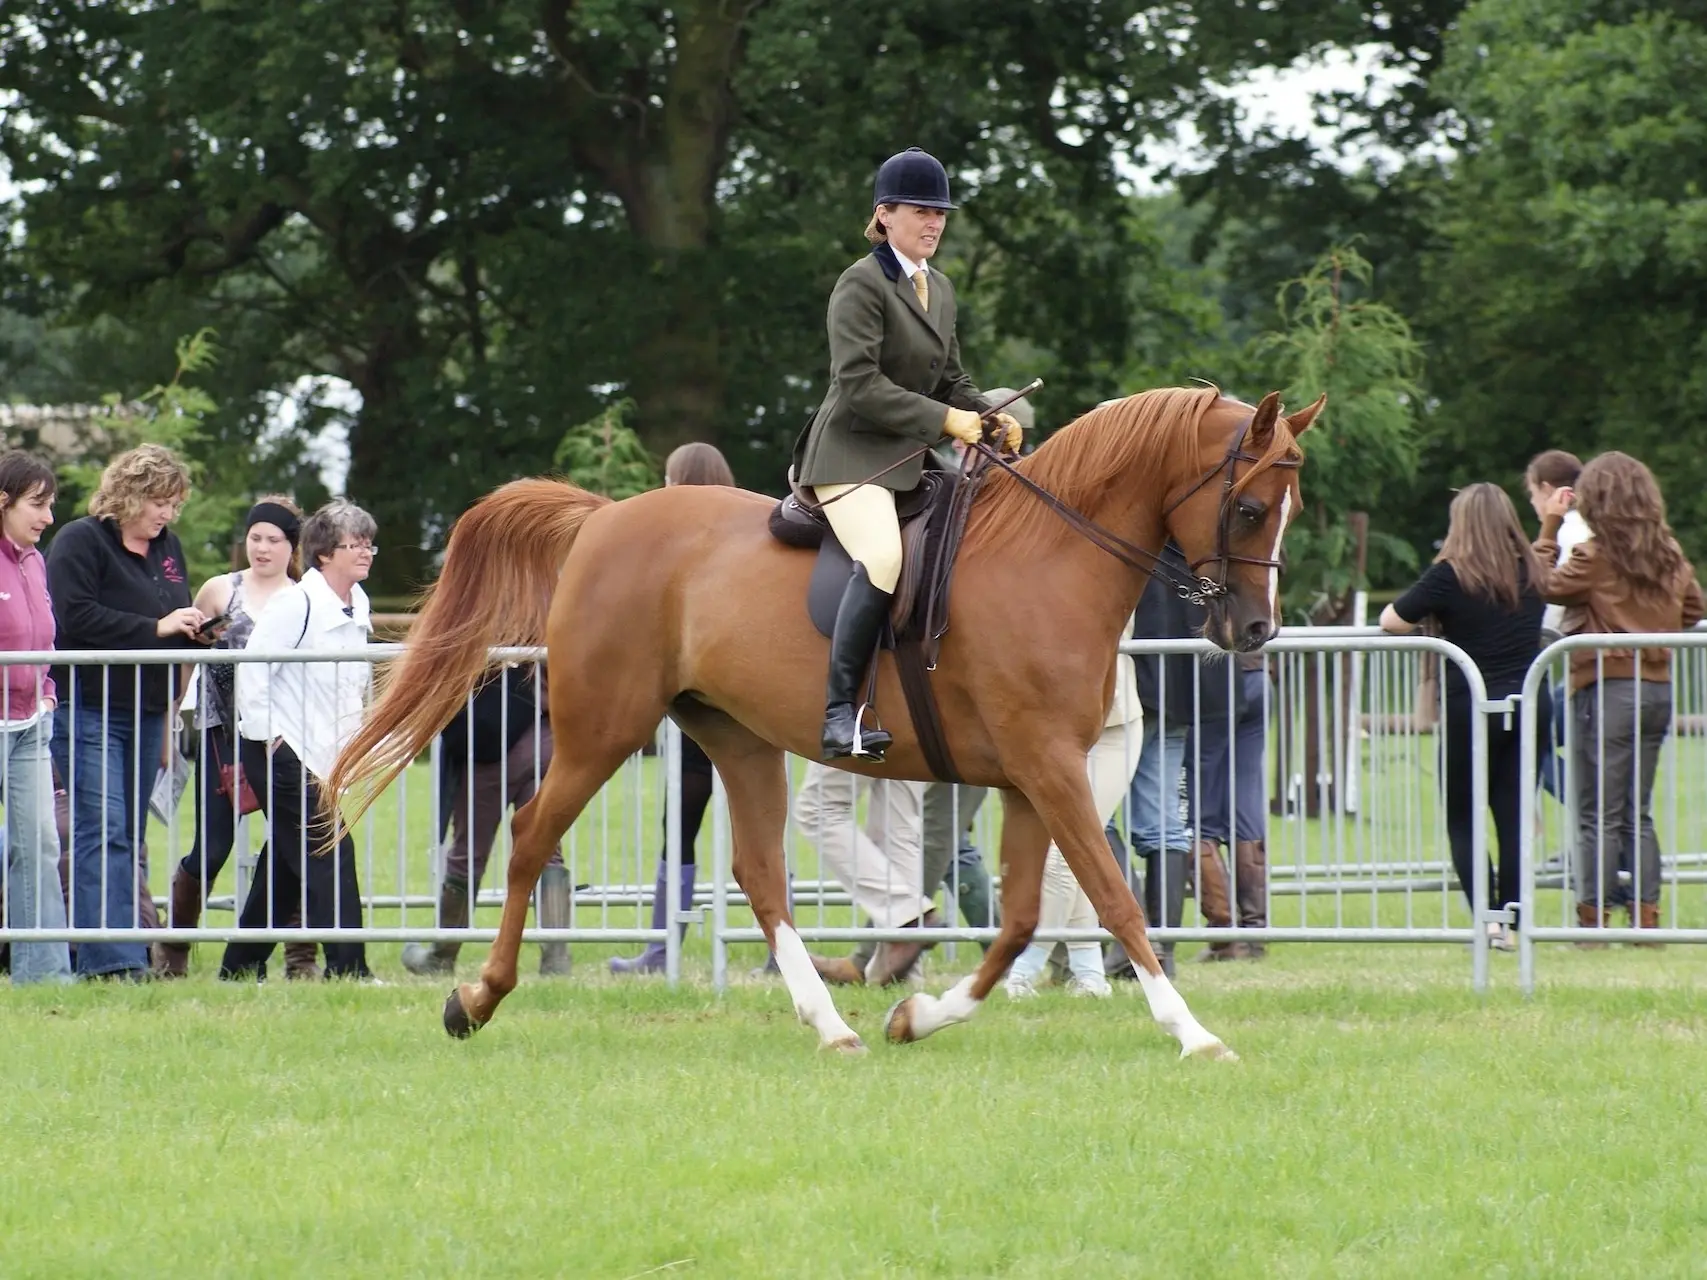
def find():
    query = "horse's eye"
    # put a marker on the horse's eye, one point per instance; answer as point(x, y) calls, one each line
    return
point(1251, 511)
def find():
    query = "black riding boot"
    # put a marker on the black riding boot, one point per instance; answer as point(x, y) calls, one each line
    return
point(859, 619)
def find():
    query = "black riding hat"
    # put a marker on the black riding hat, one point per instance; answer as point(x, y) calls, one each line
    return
point(912, 177)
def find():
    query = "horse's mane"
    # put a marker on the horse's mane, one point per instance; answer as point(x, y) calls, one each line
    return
point(1079, 462)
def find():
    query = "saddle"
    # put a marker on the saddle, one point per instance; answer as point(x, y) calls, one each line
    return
point(933, 517)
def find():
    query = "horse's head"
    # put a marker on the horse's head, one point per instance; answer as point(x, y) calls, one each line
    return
point(1230, 517)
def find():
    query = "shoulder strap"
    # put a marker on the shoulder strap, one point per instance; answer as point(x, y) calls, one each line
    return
point(307, 612)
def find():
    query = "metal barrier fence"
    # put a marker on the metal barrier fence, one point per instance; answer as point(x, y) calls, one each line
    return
point(1627, 758)
point(1355, 836)
point(1355, 831)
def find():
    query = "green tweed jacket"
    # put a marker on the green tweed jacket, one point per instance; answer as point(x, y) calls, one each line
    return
point(894, 372)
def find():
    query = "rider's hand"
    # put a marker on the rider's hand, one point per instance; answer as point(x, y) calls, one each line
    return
point(1012, 432)
point(963, 425)
point(180, 622)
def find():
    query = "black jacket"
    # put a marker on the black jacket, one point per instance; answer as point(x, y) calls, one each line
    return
point(106, 597)
point(1195, 690)
point(495, 729)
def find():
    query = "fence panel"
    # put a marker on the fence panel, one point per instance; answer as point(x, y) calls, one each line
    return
point(1355, 835)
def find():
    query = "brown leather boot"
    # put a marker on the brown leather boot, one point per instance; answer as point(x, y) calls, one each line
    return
point(1589, 916)
point(1646, 915)
point(839, 971)
point(1250, 862)
point(172, 959)
point(1214, 902)
point(299, 956)
point(897, 961)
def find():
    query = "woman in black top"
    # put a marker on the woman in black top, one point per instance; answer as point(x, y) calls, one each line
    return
point(1481, 591)
point(118, 582)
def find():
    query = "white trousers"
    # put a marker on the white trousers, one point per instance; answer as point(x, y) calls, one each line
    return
point(882, 863)
point(1111, 764)
point(866, 525)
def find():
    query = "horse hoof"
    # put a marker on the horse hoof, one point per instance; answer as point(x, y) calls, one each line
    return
point(457, 1022)
point(848, 1046)
point(1210, 1051)
point(898, 1026)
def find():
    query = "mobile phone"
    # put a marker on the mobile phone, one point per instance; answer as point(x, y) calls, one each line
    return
point(210, 625)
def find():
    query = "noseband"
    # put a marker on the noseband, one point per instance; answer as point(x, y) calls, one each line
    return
point(1194, 587)
point(1213, 588)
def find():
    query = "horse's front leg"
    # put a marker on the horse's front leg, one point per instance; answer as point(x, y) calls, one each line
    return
point(1063, 798)
point(1025, 841)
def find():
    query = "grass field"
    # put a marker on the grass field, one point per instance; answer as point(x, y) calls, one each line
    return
point(1383, 1122)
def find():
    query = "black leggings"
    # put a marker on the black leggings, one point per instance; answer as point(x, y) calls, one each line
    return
point(1505, 748)
point(696, 795)
point(216, 814)
point(292, 871)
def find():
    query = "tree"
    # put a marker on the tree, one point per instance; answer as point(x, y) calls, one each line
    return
point(493, 220)
point(1568, 299)
point(174, 413)
point(1362, 355)
point(606, 456)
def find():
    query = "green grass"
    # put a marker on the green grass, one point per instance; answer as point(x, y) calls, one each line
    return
point(1384, 1122)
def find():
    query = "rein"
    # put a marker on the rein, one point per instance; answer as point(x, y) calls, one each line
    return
point(1193, 588)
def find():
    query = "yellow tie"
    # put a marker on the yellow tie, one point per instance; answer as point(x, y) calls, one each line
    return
point(922, 288)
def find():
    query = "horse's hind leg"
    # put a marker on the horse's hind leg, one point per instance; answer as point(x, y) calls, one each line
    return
point(1025, 842)
point(755, 780)
point(572, 779)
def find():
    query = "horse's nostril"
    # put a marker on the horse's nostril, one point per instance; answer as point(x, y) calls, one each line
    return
point(1258, 632)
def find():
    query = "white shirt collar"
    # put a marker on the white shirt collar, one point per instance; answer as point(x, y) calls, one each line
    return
point(909, 268)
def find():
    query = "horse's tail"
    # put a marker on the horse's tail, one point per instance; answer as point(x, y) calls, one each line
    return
point(500, 569)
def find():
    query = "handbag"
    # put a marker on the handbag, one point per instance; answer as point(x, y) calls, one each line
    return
point(233, 781)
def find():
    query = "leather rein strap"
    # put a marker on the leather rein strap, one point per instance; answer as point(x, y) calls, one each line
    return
point(1195, 588)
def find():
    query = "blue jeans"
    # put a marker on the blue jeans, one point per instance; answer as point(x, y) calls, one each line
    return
point(34, 899)
point(108, 762)
point(1154, 816)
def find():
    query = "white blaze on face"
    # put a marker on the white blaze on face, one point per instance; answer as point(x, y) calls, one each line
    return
point(1274, 555)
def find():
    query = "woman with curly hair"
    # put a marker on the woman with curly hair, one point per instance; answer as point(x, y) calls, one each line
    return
point(118, 581)
point(1630, 577)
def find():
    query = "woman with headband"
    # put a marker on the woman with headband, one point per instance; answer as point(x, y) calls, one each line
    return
point(267, 560)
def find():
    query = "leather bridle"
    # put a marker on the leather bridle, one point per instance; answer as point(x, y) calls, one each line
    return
point(1194, 588)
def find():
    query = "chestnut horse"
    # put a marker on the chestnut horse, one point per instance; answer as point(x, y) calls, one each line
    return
point(679, 602)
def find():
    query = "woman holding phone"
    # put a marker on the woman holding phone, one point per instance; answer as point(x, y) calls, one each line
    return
point(265, 562)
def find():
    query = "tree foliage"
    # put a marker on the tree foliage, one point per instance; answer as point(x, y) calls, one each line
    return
point(174, 413)
point(1361, 354)
point(605, 455)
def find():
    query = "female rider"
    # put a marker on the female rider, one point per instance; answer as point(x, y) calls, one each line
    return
point(896, 388)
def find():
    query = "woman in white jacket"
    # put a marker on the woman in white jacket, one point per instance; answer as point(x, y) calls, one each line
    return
point(1111, 763)
point(293, 718)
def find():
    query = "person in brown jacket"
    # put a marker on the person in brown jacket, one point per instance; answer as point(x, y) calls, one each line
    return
point(1630, 577)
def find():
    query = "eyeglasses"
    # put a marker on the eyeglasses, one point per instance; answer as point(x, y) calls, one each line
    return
point(358, 548)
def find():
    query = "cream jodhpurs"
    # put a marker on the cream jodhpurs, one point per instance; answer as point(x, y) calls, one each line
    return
point(865, 524)
point(880, 864)
point(1112, 762)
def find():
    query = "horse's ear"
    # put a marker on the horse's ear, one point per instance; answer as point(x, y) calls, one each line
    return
point(1263, 420)
point(1300, 422)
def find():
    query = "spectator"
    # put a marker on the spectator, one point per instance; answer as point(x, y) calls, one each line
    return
point(293, 718)
point(491, 758)
point(1548, 472)
point(693, 463)
point(880, 862)
point(1156, 825)
point(1630, 577)
point(118, 582)
point(33, 896)
point(1228, 802)
point(1112, 760)
point(1484, 591)
point(270, 561)
point(950, 861)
